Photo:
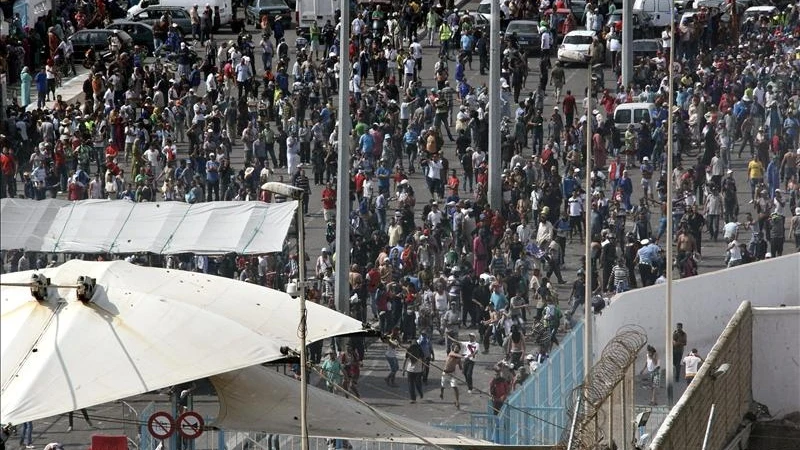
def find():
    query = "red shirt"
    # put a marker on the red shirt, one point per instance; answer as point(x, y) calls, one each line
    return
point(328, 198)
point(7, 164)
point(74, 191)
point(373, 280)
point(360, 177)
point(569, 104)
point(59, 156)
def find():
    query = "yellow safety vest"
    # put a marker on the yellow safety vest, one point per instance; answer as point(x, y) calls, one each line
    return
point(445, 33)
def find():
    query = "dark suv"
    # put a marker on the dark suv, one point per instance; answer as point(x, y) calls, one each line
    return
point(153, 14)
point(98, 39)
point(272, 7)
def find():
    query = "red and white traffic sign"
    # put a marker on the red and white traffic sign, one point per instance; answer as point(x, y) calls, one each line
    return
point(161, 425)
point(190, 425)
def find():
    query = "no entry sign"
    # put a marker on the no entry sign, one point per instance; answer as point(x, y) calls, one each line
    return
point(190, 425)
point(161, 425)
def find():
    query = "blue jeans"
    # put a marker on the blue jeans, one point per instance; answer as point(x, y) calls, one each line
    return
point(381, 214)
point(393, 365)
point(26, 436)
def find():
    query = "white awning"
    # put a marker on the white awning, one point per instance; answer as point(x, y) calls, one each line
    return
point(104, 226)
point(145, 329)
point(260, 399)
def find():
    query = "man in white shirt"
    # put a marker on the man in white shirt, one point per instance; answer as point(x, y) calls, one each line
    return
point(478, 158)
point(730, 231)
point(357, 27)
point(733, 254)
point(211, 87)
point(546, 41)
point(692, 363)
point(544, 234)
point(435, 216)
point(416, 52)
point(525, 232)
point(409, 70)
point(434, 175)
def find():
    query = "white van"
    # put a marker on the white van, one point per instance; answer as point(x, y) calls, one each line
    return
point(310, 11)
point(632, 114)
point(660, 11)
point(225, 7)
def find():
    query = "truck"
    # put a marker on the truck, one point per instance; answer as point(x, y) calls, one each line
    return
point(309, 11)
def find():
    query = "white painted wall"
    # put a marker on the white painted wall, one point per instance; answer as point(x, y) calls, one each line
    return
point(776, 359)
point(704, 304)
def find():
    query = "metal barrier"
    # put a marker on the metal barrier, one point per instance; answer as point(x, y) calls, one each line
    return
point(535, 413)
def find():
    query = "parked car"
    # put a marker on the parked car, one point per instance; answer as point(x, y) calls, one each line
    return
point(152, 14)
point(141, 32)
point(272, 7)
point(641, 21)
point(575, 47)
point(479, 22)
point(578, 8)
point(757, 12)
point(646, 47)
point(527, 32)
point(98, 40)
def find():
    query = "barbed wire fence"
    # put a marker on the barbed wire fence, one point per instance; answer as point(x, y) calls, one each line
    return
point(601, 407)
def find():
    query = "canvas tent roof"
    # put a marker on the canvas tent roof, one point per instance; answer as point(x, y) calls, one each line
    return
point(105, 226)
point(261, 399)
point(145, 329)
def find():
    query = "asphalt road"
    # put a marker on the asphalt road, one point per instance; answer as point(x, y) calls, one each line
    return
point(372, 386)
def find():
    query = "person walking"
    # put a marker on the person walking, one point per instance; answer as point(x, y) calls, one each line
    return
point(71, 419)
point(691, 363)
point(26, 435)
point(451, 363)
point(470, 353)
point(678, 346)
point(499, 388)
point(333, 371)
point(413, 365)
point(392, 342)
point(755, 174)
point(25, 87)
point(653, 367)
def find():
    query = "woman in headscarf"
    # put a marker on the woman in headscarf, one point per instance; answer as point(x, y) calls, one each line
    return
point(25, 87)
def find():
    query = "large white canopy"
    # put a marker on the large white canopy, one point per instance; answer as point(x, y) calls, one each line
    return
point(144, 329)
point(105, 226)
point(260, 399)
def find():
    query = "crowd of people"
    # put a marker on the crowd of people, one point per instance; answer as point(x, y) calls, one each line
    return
point(426, 265)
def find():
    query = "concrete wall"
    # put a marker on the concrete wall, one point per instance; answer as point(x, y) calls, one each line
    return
point(776, 359)
point(685, 426)
point(704, 303)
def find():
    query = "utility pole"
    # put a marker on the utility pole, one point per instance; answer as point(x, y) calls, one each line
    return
point(627, 42)
point(670, 150)
point(587, 247)
point(342, 268)
point(495, 193)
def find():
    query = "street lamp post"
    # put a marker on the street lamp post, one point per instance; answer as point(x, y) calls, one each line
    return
point(296, 193)
point(495, 188)
point(342, 251)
